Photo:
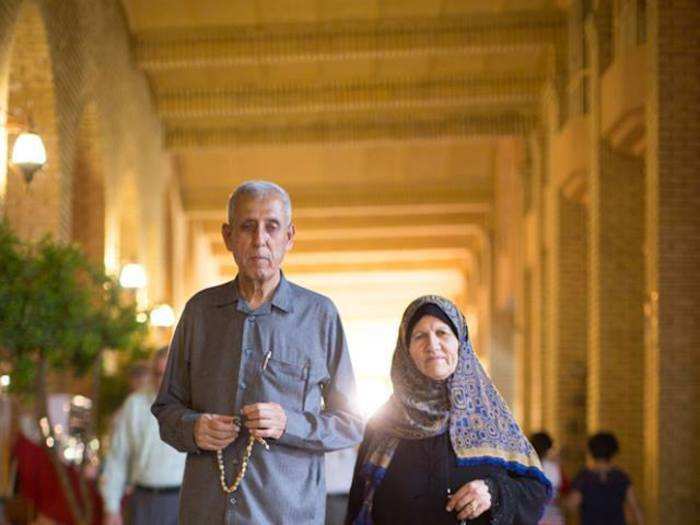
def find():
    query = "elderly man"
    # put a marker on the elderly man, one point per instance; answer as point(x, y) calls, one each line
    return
point(261, 357)
point(138, 457)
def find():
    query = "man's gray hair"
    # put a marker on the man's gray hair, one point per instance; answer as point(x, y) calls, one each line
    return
point(259, 189)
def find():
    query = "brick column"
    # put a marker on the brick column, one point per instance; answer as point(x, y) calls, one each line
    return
point(524, 299)
point(616, 278)
point(34, 211)
point(616, 364)
point(8, 18)
point(69, 55)
point(535, 285)
point(565, 365)
point(88, 214)
point(673, 253)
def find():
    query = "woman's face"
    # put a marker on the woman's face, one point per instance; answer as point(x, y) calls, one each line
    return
point(433, 348)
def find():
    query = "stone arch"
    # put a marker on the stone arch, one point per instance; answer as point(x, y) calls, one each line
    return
point(33, 210)
point(88, 199)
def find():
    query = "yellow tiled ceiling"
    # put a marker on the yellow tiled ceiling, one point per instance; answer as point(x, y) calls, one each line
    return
point(406, 8)
point(208, 78)
point(164, 14)
point(333, 10)
point(287, 11)
point(489, 63)
point(344, 102)
point(453, 7)
point(409, 163)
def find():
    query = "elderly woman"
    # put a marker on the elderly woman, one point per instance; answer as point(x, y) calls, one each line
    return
point(444, 448)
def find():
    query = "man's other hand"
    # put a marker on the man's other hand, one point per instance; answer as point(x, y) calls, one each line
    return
point(215, 432)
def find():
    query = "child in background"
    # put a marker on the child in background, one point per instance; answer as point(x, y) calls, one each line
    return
point(542, 443)
point(602, 491)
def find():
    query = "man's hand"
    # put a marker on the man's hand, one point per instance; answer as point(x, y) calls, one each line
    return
point(471, 500)
point(112, 519)
point(265, 420)
point(215, 432)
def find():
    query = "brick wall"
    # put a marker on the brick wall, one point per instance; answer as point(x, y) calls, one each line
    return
point(79, 38)
point(534, 300)
point(88, 224)
point(673, 242)
point(616, 329)
point(616, 273)
point(570, 343)
point(9, 11)
point(34, 210)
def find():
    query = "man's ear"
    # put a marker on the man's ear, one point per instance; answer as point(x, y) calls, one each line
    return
point(290, 235)
point(226, 231)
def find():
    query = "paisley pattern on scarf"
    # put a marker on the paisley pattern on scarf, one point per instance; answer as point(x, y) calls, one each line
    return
point(482, 429)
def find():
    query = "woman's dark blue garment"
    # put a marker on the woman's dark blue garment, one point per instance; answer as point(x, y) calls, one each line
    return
point(414, 490)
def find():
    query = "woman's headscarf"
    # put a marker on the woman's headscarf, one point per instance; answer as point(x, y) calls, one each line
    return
point(482, 429)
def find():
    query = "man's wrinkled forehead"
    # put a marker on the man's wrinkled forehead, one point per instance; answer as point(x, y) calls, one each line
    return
point(263, 208)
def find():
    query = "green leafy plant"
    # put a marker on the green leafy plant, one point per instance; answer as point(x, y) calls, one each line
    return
point(58, 313)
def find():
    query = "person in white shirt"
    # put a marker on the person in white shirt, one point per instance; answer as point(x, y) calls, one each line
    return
point(138, 457)
point(549, 456)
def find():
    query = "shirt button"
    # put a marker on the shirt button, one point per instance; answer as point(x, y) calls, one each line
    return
point(243, 385)
point(232, 500)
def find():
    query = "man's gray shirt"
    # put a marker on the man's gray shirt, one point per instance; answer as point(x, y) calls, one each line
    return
point(223, 356)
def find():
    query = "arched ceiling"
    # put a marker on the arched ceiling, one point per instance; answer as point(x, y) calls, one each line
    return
point(381, 117)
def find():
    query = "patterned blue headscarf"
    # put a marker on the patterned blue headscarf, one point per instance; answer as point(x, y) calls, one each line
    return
point(482, 429)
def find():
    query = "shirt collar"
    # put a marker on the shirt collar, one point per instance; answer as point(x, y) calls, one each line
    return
point(282, 298)
point(284, 295)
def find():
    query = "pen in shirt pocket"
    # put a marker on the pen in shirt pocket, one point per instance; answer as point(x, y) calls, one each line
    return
point(267, 359)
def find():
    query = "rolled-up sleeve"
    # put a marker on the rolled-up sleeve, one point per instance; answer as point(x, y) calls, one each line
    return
point(338, 425)
point(171, 407)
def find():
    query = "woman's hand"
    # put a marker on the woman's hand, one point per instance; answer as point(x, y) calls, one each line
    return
point(471, 500)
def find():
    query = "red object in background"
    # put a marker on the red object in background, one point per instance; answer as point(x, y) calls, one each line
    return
point(565, 487)
point(39, 483)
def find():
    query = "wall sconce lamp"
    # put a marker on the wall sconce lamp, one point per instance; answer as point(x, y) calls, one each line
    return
point(133, 276)
point(28, 154)
point(162, 316)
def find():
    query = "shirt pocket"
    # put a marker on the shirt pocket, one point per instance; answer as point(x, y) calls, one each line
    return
point(284, 383)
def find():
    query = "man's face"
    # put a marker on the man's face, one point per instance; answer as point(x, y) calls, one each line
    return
point(258, 237)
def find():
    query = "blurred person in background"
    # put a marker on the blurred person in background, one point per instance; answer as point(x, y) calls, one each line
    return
point(602, 492)
point(137, 456)
point(139, 376)
point(543, 445)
